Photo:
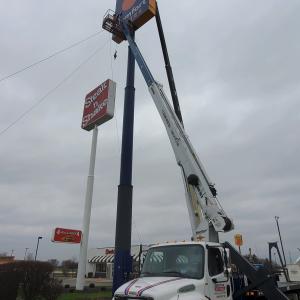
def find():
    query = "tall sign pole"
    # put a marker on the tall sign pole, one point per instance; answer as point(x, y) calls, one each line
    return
point(87, 214)
point(123, 260)
point(98, 108)
point(137, 13)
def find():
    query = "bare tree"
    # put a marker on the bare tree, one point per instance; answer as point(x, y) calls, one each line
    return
point(69, 265)
point(54, 262)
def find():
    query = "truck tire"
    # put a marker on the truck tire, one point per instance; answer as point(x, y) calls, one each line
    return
point(293, 296)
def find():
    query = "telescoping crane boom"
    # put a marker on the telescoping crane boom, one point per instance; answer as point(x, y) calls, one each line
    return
point(206, 214)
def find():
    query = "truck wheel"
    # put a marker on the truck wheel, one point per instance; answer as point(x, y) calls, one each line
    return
point(293, 296)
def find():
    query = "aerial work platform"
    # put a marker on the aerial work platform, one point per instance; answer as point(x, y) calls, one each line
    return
point(111, 24)
point(136, 13)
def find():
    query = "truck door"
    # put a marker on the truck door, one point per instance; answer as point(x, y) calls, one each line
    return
point(218, 283)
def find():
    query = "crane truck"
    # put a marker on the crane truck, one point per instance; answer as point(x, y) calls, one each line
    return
point(198, 269)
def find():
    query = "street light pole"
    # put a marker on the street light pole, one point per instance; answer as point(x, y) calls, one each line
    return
point(37, 247)
point(25, 253)
point(277, 218)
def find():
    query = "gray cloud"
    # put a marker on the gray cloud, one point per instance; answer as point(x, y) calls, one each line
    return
point(236, 65)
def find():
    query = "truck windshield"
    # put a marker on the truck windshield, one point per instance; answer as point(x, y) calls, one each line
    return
point(175, 261)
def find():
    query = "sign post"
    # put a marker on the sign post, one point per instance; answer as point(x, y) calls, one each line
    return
point(87, 214)
point(137, 12)
point(122, 262)
point(98, 108)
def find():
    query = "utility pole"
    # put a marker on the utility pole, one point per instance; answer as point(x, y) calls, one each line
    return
point(276, 219)
point(26, 249)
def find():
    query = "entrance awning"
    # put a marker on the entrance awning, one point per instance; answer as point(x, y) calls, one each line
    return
point(109, 258)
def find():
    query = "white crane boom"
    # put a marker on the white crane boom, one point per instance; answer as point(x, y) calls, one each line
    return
point(206, 215)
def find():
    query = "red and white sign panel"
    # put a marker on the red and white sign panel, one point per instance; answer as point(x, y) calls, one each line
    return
point(99, 105)
point(63, 235)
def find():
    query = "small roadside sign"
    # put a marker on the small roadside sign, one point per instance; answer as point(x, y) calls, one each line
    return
point(69, 236)
point(238, 239)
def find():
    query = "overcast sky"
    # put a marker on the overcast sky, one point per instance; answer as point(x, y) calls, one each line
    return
point(236, 65)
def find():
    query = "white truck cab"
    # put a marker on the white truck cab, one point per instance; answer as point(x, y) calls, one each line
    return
point(185, 270)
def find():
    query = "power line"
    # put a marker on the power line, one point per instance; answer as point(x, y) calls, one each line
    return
point(111, 61)
point(50, 56)
point(51, 90)
point(112, 77)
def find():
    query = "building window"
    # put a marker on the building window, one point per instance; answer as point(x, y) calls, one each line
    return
point(101, 267)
